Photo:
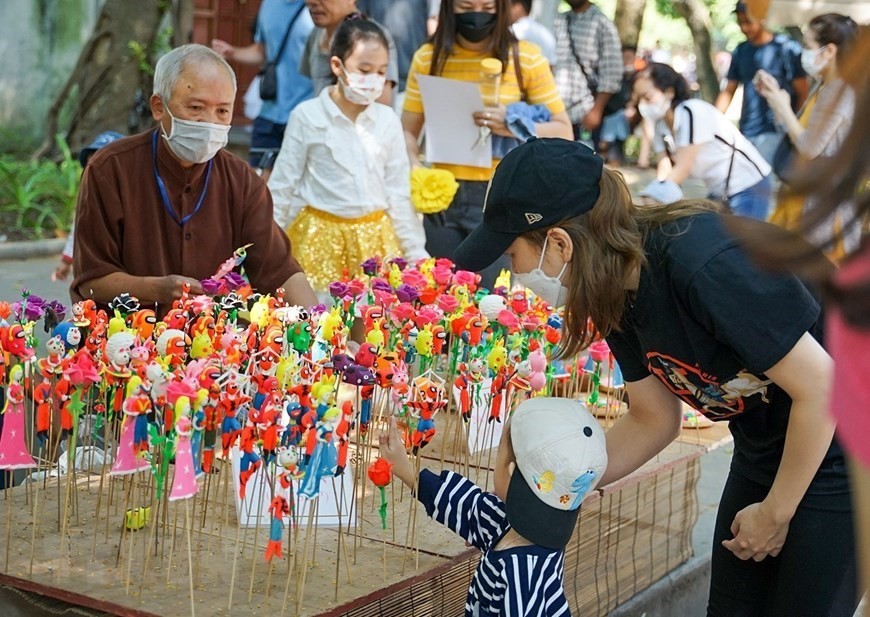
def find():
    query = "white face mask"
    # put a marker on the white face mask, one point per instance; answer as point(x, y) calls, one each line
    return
point(547, 288)
point(810, 61)
point(654, 111)
point(362, 89)
point(195, 142)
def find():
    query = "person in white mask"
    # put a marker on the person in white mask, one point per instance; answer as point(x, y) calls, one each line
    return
point(341, 182)
point(699, 142)
point(689, 317)
point(162, 210)
point(819, 128)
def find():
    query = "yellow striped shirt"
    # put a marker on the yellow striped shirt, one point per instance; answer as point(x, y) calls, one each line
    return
point(464, 65)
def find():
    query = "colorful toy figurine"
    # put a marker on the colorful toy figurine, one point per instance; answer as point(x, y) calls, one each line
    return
point(13, 441)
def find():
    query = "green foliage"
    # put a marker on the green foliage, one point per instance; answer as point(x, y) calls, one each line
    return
point(37, 198)
point(144, 57)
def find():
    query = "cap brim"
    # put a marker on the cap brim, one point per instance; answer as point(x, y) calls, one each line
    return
point(482, 248)
point(534, 520)
point(85, 153)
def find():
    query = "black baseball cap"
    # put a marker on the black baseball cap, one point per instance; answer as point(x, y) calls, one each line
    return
point(537, 185)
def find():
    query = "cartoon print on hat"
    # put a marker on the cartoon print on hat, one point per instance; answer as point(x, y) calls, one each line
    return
point(581, 486)
point(545, 481)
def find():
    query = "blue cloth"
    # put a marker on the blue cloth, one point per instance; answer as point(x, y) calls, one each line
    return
point(782, 59)
point(293, 88)
point(753, 202)
point(523, 580)
point(663, 191)
point(520, 118)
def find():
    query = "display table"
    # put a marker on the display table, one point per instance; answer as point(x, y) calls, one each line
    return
point(629, 535)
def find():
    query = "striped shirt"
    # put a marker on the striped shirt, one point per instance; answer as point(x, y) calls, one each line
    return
point(597, 44)
point(519, 581)
point(464, 65)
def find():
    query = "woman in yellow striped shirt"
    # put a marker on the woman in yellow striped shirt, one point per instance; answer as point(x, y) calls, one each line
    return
point(468, 32)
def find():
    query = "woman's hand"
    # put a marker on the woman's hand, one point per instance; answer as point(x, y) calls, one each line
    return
point(224, 49)
point(494, 119)
point(392, 448)
point(767, 86)
point(758, 532)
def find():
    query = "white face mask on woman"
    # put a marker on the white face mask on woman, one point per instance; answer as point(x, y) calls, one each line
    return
point(195, 142)
point(654, 111)
point(362, 89)
point(547, 288)
point(810, 61)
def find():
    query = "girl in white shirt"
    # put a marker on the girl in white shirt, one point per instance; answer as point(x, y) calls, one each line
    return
point(701, 143)
point(341, 183)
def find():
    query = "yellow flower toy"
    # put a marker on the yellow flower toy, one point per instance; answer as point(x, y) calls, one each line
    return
point(432, 190)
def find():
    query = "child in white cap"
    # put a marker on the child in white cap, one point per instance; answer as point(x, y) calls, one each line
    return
point(552, 453)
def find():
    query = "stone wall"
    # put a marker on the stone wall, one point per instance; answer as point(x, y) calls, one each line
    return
point(40, 41)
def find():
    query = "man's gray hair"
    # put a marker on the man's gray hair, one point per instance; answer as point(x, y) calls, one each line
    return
point(173, 64)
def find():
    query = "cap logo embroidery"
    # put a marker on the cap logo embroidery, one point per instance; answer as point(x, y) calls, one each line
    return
point(533, 217)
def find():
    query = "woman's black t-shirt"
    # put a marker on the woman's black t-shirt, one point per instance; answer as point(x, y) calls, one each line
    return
point(708, 323)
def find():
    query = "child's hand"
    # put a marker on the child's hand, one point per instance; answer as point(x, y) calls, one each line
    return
point(392, 448)
point(61, 271)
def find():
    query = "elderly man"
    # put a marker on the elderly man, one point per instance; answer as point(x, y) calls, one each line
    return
point(167, 207)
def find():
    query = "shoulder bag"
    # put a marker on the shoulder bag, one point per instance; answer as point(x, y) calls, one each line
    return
point(269, 71)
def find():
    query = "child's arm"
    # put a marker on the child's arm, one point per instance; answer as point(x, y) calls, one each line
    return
point(287, 173)
point(397, 175)
point(451, 499)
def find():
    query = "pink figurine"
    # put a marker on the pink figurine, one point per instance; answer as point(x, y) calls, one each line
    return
point(127, 460)
point(13, 447)
point(184, 482)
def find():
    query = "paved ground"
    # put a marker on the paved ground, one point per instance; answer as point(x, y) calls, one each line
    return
point(35, 275)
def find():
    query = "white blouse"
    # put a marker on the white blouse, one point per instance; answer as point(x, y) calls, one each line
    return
point(722, 148)
point(347, 169)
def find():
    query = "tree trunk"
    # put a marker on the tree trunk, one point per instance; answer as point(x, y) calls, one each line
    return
point(629, 19)
point(182, 31)
point(100, 94)
point(697, 16)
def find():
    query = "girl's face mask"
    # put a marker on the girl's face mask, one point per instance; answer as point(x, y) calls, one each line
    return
point(654, 110)
point(361, 88)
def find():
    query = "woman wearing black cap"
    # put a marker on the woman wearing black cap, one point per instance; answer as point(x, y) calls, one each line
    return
point(470, 32)
point(689, 317)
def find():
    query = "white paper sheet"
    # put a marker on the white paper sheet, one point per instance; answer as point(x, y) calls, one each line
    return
point(451, 134)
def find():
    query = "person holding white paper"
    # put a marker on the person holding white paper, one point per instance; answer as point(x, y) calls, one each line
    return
point(470, 31)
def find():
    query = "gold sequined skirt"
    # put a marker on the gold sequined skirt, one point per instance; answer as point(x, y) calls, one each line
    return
point(330, 247)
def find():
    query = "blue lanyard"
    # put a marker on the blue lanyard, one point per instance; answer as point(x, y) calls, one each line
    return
point(162, 188)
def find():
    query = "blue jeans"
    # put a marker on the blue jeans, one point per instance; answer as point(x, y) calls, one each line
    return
point(766, 144)
point(753, 202)
point(266, 141)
